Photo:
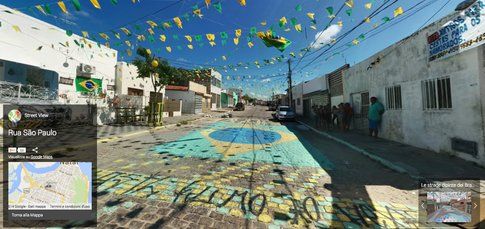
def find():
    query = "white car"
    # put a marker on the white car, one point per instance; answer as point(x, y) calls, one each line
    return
point(285, 113)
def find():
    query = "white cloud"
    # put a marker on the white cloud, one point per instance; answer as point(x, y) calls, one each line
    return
point(324, 37)
point(67, 21)
point(83, 13)
point(72, 17)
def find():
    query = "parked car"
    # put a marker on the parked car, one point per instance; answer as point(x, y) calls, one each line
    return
point(239, 107)
point(285, 113)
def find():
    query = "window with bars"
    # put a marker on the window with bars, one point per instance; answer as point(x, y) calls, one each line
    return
point(437, 94)
point(393, 98)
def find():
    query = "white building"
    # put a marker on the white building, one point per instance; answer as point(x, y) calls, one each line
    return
point(212, 80)
point(194, 98)
point(47, 65)
point(297, 97)
point(128, 83)
point(315, 93)
point(335, 85)
point(216, 89)
point(433, 86)
point(320, 91)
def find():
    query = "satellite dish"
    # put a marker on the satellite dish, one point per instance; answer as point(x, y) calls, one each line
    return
point(65, 64)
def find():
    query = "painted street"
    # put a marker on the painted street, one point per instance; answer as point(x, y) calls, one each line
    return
point(246, 172)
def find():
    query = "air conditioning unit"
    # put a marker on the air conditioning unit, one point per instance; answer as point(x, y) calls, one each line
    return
point(87, 69)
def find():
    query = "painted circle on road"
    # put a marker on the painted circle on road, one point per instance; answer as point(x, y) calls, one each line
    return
point(245, 136)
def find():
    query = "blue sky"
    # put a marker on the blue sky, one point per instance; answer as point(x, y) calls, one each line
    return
point(259, 81)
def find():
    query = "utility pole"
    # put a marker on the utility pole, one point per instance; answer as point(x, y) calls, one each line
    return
point(290, 93)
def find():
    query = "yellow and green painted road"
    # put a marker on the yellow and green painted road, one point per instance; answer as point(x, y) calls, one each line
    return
point(258, 142)
point(255, 171)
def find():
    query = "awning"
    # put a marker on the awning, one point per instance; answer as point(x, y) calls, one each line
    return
point(176, 88)
point(204, 95)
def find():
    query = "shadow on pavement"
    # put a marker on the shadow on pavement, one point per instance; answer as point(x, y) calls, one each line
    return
point(350, 203)
point(353, 174)
point(260, 183)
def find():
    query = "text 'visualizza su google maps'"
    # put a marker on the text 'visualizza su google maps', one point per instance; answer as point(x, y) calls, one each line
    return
point(49, 161)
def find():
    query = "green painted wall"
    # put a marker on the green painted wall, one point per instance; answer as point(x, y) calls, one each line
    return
point(224, 100)
point(234, 96)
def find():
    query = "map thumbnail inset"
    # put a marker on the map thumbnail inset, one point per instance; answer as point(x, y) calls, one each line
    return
point(49, 185)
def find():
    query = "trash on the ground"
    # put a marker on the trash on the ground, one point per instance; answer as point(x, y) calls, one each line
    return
point(226, 115)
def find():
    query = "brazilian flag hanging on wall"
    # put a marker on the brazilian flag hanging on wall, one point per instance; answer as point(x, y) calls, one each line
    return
point(84, 84)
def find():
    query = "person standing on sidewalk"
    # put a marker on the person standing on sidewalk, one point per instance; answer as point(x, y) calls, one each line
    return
point(328, 116)
point(316, 115)
point(376, 110)
point(320, 116)
point(348, 113)
point(335, 117)
point(340, 116)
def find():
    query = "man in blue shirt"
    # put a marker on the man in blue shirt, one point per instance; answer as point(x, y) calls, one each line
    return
point(376, 109)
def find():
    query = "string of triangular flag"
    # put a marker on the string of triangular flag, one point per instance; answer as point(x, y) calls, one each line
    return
point(258, 63)
point(46, 9)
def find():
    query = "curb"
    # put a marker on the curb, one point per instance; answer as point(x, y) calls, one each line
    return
point(370, 155)
point(107, 139)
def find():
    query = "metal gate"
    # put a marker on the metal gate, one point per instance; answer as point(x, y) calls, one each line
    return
point(198, 104)
point(307, 111)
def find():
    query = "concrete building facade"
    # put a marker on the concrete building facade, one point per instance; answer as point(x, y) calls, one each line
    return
point(216, 89)
point(315, 93)
point(224, 99)
point(194, 98)
point(212, 80)
point(297, 96)
point(335, 84)
point(65, 66)
point(128, 83)
point(236, 95)
point(433, 90)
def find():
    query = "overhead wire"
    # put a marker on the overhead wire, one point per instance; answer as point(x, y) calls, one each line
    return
point(393, 22)
point(341, 37)
point(316, 39)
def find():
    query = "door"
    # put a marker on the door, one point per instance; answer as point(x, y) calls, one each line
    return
point(360, 105)
point(307, 111)
point(198, 104)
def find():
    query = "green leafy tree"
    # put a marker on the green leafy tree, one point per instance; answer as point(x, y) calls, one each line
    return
point(161, 73)
point(248, 98)
point(156, 69)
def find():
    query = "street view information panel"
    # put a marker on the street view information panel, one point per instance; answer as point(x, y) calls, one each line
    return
point(49, 161)
point(449, 203)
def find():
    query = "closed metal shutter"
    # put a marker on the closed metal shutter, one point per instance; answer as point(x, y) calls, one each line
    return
point(321, 99)
point(335, 81)
point(198, 104)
